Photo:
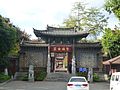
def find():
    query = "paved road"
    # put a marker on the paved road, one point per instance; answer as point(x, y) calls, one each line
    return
point(99, 86)
point(20, 85)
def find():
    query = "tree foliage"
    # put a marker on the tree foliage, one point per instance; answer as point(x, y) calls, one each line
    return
point(10, 37)
point(111, 42)
point(7, 36)
point(113, 6)
point(91, 19)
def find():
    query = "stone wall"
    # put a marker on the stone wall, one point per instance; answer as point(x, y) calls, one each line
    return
point(36, 56)
point(88, 57)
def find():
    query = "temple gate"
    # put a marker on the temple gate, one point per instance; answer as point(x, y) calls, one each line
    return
point(60, 50)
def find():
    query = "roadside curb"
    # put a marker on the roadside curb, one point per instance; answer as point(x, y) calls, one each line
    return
point(1, 84)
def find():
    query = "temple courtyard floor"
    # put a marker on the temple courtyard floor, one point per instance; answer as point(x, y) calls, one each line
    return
point(24, 85)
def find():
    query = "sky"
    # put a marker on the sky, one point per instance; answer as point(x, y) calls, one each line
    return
point(29, 14)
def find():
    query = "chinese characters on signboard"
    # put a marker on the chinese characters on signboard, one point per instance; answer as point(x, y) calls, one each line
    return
point(61, 49)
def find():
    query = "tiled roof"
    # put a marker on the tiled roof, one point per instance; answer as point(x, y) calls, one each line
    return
point(88, 44)
point(78, 45)
point(53, 31)
point(115, 60)
point(56, 28)
point(34, 44)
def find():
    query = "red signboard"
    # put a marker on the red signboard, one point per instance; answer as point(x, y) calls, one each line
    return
point(61, 48)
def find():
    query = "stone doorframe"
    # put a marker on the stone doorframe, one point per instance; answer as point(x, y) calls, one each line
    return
point(51, 53)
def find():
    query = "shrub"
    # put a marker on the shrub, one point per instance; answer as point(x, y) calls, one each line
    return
point(4, 77)
point(24, 78)
point(40, 76)
point(96, 77)
point(84, 74)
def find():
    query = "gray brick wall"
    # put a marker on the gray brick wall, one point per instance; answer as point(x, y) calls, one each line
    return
point(33, 55)
point(88, 57)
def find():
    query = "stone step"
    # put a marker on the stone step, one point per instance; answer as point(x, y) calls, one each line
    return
point(58, 76)
point(20, 75)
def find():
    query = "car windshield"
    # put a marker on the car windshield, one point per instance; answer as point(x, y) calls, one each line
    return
point(77, 80)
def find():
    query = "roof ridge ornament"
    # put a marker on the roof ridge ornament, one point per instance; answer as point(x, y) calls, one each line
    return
point(59, 28)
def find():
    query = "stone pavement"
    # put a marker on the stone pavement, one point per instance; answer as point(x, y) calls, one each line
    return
point(99, 86)
point(23, 85)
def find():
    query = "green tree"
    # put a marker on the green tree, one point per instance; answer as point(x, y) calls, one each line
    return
point(113, 6)
point(7, 37)
point(10, 37)
point(21, 36)
point(91, 20)
point(111, 42)
point(77, 16)
point(70, 22)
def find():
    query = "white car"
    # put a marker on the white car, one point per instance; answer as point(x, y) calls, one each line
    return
point(115, 81)
point(78, 83)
